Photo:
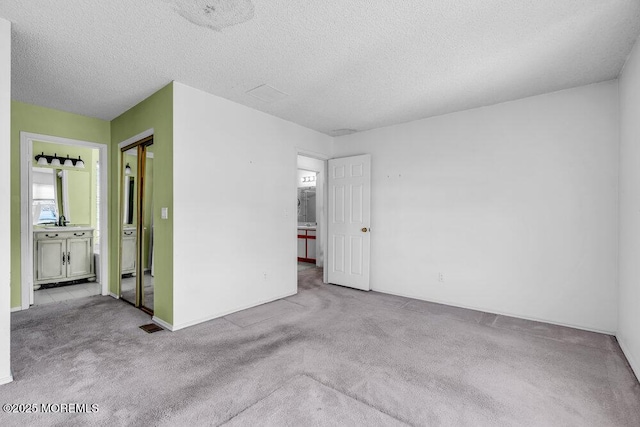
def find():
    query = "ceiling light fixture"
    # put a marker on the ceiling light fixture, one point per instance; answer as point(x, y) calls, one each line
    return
point(215, 14)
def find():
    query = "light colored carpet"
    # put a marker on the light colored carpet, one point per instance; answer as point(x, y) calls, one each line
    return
point(305, 266)
point(326, 356)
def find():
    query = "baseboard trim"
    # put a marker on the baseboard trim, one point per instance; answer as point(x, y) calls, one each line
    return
point(635, 367)
point(14, 309)
point(222, 314)
point(6, 380)
point(162, 323)
point(501, 313)
point(111, 294)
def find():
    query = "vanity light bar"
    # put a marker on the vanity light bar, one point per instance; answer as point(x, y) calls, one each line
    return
point(310, 178)
point(47, 160)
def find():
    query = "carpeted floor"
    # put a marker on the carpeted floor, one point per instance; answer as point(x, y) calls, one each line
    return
point(326, 356)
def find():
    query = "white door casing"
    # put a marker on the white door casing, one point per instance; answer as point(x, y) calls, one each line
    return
point(26, 221)
point(349, 182)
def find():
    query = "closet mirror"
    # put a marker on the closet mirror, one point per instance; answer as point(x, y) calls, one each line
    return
point(136, 248)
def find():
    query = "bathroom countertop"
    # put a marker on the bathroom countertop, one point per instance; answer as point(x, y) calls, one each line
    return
point(61, 229)
point(307, 227)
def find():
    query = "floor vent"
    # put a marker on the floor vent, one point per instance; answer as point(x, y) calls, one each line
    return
point(151, 328)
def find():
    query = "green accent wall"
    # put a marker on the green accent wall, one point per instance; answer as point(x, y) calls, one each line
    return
point(46, 121)
point(154, 112)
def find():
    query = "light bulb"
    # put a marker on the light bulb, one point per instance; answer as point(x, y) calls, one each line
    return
point(42, 160)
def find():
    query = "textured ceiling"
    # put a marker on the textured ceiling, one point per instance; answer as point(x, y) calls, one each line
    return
point(344, 65)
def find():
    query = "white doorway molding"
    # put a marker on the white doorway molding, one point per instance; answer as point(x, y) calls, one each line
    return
point(26, 223)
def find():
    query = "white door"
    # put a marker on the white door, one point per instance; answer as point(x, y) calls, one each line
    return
point(349, 221)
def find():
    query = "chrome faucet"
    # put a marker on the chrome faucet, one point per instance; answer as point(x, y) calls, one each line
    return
point(62, 221)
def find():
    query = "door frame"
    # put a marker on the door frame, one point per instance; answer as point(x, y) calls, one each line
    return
point(322, 246)
point(26, 201)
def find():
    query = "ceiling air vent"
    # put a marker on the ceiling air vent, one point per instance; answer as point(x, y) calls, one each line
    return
point(267, 93)
point(342, 132)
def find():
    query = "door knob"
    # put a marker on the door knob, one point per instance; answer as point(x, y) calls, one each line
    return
point(364, 229)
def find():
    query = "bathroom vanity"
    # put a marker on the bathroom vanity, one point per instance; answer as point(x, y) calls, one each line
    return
point(307, 243)
point(62, 254)
point(129, 242)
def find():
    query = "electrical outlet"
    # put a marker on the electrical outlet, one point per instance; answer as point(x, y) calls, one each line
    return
point(440, 277)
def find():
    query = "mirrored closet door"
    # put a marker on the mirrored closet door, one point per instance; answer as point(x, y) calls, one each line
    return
point(136, 246)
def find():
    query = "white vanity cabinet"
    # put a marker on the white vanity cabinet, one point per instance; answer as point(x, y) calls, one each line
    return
point(63, 255)
point(129, 243)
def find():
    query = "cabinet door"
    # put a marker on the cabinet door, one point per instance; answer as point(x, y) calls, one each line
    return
point(51, 265)
point(302, 244)
point(311, 249)
point(128, 254)
point(79, 257)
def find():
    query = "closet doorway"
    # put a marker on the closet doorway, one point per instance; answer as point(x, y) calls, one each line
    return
point(136, 234)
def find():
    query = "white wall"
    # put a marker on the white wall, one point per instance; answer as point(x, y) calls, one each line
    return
point(515, 203)
point(235, 205)
point(629, 316)
point(5, 230)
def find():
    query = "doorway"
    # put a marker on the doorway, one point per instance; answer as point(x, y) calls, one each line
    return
point(136, 234)
point(64, 224)
point(310, 195)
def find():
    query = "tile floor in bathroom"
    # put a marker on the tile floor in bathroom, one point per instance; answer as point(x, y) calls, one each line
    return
point(63, 293)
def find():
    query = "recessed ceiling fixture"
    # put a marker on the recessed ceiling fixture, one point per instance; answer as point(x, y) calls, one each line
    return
point(215, 14)
point(267, 93)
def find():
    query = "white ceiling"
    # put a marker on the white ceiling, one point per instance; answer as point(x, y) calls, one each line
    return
point(357, 64)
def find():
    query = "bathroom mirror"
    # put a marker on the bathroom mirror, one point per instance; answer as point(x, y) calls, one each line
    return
point(61, 192)
point(45, 208)
point(77, 197)
point(75, 189)
point(307, 204)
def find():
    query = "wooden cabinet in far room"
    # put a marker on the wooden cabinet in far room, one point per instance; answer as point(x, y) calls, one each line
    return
point(306, 245)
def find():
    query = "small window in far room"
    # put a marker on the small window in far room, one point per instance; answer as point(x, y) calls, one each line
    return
point(45, 206)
